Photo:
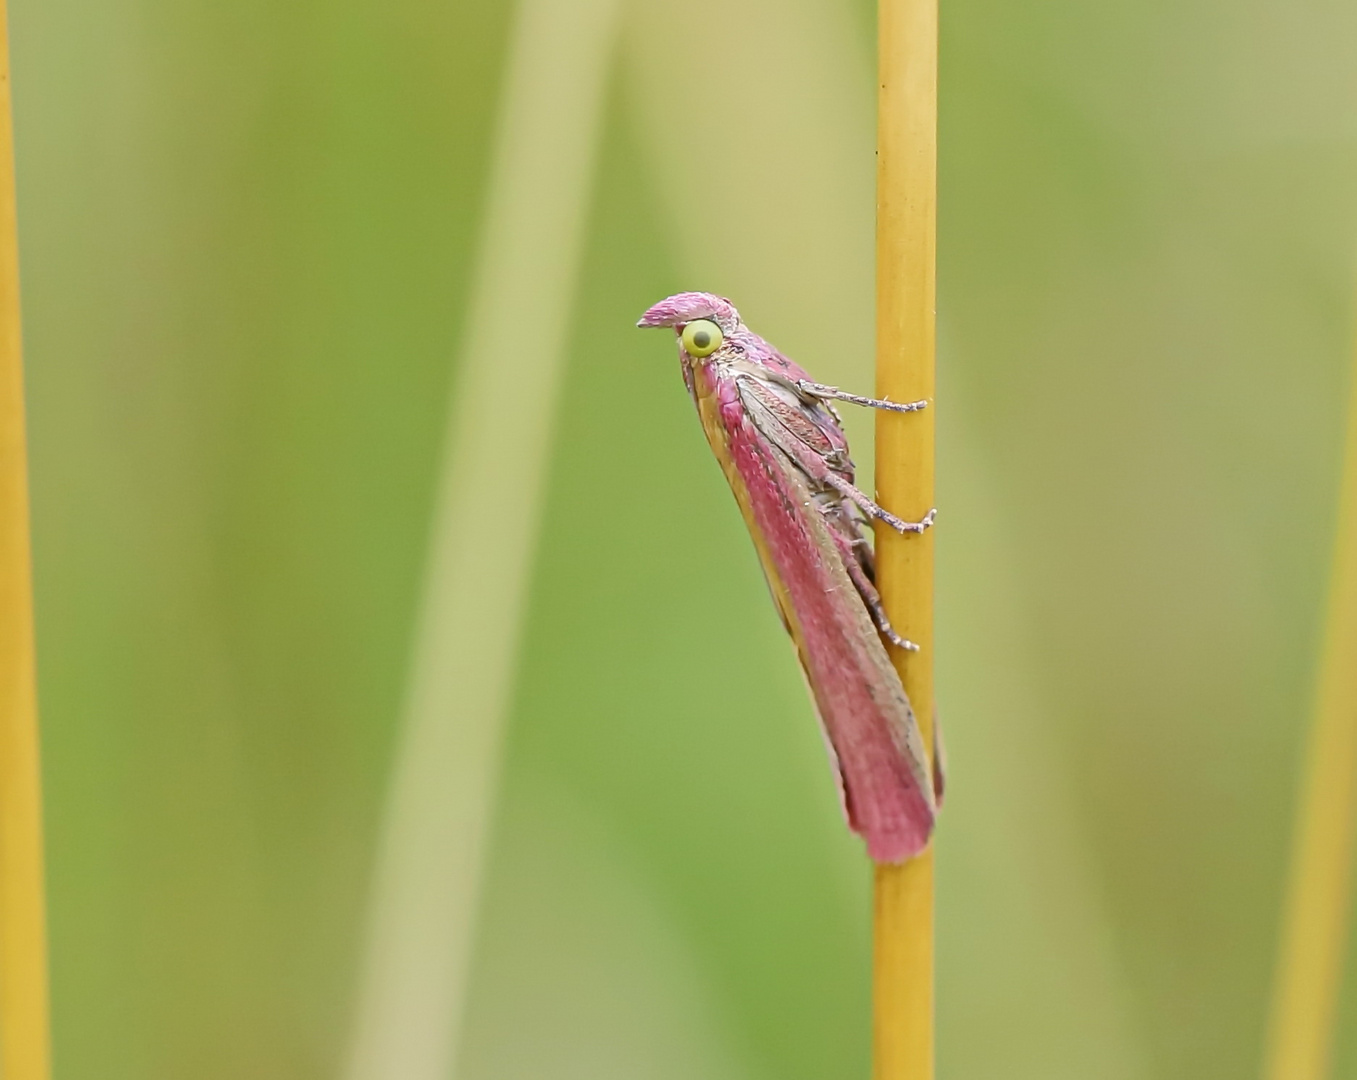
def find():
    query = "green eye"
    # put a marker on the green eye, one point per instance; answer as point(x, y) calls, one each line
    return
point(702, 337)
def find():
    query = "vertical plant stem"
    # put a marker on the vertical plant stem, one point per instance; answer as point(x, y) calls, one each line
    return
point(906, 243)
point(485, 529)
point(24, 1048)
point(1316, 913)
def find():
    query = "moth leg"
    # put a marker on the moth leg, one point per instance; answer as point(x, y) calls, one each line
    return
point(848, 491)
point(873, 601)
point(870, 597)
point(819, 390)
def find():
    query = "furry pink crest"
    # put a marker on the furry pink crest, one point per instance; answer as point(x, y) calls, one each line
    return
point(687, 306)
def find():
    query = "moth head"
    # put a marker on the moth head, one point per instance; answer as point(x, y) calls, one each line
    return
point(701, 321)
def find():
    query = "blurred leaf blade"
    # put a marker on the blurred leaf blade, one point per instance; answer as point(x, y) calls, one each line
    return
point(430, 854)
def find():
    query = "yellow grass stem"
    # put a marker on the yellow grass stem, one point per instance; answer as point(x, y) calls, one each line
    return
point(906, 243)
point(1315, 919)
point(24, 1048)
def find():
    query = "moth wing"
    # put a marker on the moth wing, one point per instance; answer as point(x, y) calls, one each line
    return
point(876, 745)
point(807, 439)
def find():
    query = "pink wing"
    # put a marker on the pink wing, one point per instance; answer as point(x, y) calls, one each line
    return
point(874, 738)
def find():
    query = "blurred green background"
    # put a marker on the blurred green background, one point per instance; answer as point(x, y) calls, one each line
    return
point(249, 236)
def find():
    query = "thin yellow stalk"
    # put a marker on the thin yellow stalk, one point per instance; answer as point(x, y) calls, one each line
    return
point(24, 1048)
point(1315, 922)
point(906, 243)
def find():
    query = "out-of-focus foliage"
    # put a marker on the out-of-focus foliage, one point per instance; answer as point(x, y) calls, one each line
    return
point(247, 233)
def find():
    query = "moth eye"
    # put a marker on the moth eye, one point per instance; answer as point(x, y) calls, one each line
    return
point(702, 337)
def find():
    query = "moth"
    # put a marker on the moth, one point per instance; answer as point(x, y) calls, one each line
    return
point(781, 445)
